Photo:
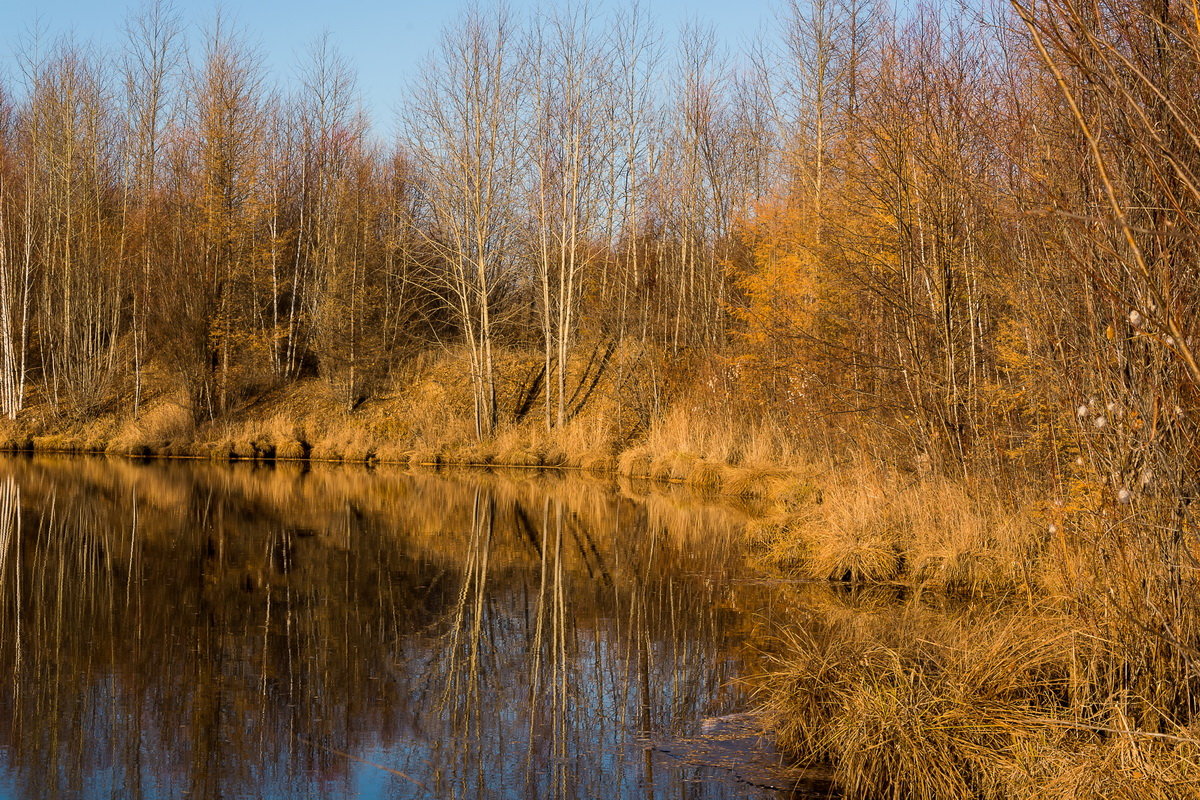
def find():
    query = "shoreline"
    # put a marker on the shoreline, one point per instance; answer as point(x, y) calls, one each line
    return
point(634, 462)
point(946, 702)
point(849, 524)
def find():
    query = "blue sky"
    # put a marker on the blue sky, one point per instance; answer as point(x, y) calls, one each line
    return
point(383, 39)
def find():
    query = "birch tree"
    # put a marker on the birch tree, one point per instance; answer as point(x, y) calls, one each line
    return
point(72, 148)
point(572, 146)
point(16, 263)
point(463, 130)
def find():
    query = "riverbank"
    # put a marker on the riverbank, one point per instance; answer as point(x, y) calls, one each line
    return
point(847, 520)
point(1066, 683)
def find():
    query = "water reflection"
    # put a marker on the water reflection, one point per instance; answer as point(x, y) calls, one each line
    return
point(180, 629)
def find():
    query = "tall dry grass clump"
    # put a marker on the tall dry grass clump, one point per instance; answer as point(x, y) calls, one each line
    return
point(1092, 691)
point(855, 533)
point(720, 430)
point(634, 463)
point(969, 542)
point(917, 703)
point(861, 523)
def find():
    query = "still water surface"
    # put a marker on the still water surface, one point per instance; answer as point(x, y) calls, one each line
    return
point(199, 630)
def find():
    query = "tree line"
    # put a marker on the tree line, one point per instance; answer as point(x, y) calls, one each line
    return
point(973, 227)
point(175, 212)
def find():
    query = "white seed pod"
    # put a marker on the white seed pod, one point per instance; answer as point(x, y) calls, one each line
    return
point(1124, 496)
point(1099, 422)
point(1053, 528)
point(1170, 341)
point(1079, 461)
point(1081, 412)
point(1135, 318)
point(1147, 476)
point(1111, 407)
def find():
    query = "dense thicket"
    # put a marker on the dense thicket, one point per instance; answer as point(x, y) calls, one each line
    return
point(969, 230)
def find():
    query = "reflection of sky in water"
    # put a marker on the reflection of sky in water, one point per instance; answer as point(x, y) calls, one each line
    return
point(201, 631)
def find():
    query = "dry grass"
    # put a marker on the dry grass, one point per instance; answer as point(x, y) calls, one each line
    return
point(1091, 696)
point(759, 482)
point(598, 463)
point(634, 463)
point(853, 556)
point(708, 475)
point(390, 453)
point(719, 431)
point(969, 543)
point(921, 704)
point(860, 523)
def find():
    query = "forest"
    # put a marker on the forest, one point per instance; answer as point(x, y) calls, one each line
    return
point(965, 231)
point(946, 254)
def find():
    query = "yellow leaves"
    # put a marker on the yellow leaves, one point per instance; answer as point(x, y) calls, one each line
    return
point(785, 282)
point(1012, 348)
point(807, 302)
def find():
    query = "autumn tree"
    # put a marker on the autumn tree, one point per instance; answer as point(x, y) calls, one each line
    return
point(228, 122)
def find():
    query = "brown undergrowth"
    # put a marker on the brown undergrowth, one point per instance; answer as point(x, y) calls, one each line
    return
point(1065, 668)
point(928, 700)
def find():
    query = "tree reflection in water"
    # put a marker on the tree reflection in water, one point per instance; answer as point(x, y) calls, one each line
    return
point(187, 629)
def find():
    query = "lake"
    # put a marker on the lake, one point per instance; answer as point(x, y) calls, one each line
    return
point(192, 629)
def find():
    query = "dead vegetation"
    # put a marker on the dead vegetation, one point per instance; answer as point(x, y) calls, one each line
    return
point(993, 701)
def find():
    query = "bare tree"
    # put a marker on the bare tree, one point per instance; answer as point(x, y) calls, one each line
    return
point(637, 54)
point(150, 61)
point(571, 150)
point(464, 134)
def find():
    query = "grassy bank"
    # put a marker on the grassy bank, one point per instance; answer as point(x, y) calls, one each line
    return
point(1044, 646)
point(818, 511)
point(628, 414)
point(823, 518)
